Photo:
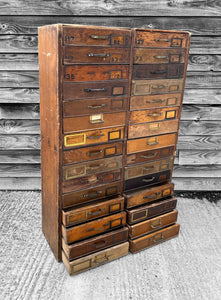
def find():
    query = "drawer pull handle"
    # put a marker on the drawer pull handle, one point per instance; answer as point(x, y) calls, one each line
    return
point(162, 40)
point(154, 115)
point(155, 101)
point(94, 153)
point(95, 136)
point(149, 156)
point(160, 56)
point(93, 181)
point(158, 86)
point(96, 90)
point(96, 106)
point(100, 244)
point(152, 197)
point(152, 144)
point(96, 212)
point(99, 37)
point(159, 224)
point(158, 240)
point(95, 167)
point(98, 54)
point(149, 168)
point(99, 229)
point(158, 72)
point(148, 180)
point(92, 195)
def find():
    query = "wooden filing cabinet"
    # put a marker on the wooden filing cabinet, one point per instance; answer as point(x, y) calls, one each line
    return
point(110, 103)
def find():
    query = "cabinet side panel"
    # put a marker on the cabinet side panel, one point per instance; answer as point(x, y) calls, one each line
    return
point(50, 131)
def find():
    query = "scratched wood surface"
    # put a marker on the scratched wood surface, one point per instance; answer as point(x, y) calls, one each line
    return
point(198, 156)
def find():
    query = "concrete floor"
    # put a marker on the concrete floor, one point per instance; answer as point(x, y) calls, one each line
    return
point(187, 267)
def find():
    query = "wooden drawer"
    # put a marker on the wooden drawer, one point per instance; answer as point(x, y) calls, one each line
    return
point(93, 121)
point(147, 180)
point(91, 167)
point(164, 39)
point(94, 72)
point(91, 153)
point(154, 128)
point(150, 210)
point(142, 196)
point(148, 168)
point(88, 212)
point(80, 35)
point(159, 56)
point(154, 238)
point(151, 115)
point(95, 227)
point(95, 259)
point(152, 225)
point(151, 155)
point(94, 137)
point(96, 55)
point(154, 71)
point(97, 89)
point(90, 181)
point(154, 101)
point(85, 196)
point(95, 244)
point(149, 143)
point(160, 86)
point(94, 106)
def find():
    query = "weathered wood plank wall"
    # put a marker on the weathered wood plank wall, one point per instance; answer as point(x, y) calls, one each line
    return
point(198, 160)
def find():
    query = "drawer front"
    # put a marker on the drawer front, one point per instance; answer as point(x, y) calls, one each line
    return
point(93, 137)
point(93, 106)
point(150, 143)
point(147, 180)
point(143, 196)
point(151, 87)
point(89, 212)
point(152, 115)
point(151, 155)
point(85, 196)
point(153, 224)
point(154, 71)
point(160, 39)
point(154, 238)
point(159, 56)
point(95, 244)
point(92, 228)
point(96, 259)
point(88, 90)
point(96, 55)
point(90, 181)
point(91, 153)
point(94, 72)
point(148, 168)
point(96, 36)
point(90, 168)
point(93, 121)
point(149, 129)
point(149, 211)
point(154, 101)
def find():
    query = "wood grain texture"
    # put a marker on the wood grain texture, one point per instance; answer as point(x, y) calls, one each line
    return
point(19, 141)
point(201, 112)
point(20, 111)
point(199, 157)
point(20, 157)
point(19, 95)
point(19, 126)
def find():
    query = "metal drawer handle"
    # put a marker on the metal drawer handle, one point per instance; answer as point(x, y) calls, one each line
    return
point(149, 168)
point(95, 167)
point(152, 144)
point(96, 212)
point(148, 180)
point(158, 72)
point(99, 37)
point(100, 244)
point(96, 90)
point(154, 114)
point(152, 197)
point(95, 136)
point(149, 156)
point(159, 224)
point(158, 86)
point(92, 195)
point(93, 153)
point(156, 240)
point(162, 40)
point(98, 54)
point(101, 260)
point(155, 101)
point(160, 56)
point(102, 228)
point(93, 181)
point(96, 106)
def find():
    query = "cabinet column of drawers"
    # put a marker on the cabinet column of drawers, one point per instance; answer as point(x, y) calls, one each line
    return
point(159, 68)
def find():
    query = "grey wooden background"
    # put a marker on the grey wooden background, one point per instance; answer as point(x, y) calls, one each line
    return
point(198, 160)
